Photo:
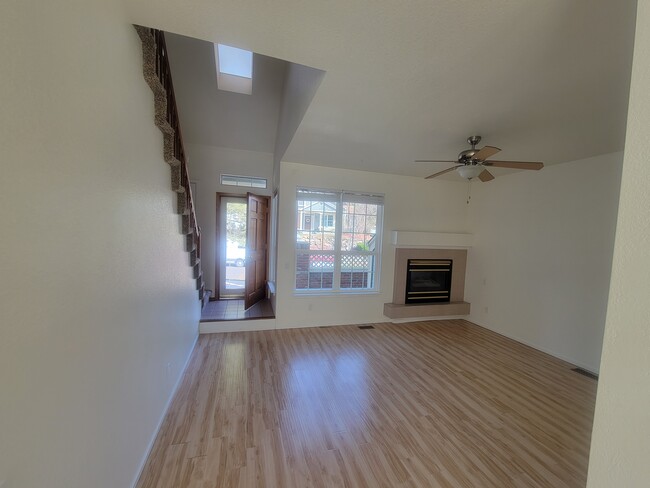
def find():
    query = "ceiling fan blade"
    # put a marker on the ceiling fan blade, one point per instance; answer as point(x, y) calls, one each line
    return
point(486, 176)
point(433, 161)
point(486, 152)
point(514, 164)
point(440, 173)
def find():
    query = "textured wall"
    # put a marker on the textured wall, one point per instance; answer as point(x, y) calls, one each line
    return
point(99, 310)
point(621, 438)
point(540, 266)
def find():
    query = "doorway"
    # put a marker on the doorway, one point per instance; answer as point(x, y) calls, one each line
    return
point(242, 248)
point(232, 246)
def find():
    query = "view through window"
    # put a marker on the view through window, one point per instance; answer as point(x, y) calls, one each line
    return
point(235, 279)
point(338, 240)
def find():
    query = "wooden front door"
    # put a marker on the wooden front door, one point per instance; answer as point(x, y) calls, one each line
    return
point(256, 249)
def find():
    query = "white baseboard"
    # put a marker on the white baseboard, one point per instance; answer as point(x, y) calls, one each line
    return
point(426, 319)
point(236, 326)
point(540, 348)
point(162, 418)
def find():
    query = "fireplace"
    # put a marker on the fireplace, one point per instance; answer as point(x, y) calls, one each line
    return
point(428, 280)
point(454, 259)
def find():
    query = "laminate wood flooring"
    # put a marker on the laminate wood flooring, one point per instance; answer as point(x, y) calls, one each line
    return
point(427, 404)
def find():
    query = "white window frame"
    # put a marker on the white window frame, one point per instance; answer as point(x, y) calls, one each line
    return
point(243, 181)
point(338, 253)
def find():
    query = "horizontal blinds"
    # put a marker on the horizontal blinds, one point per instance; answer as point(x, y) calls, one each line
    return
point(350, 197)
point(312, 195)
point(308, 195)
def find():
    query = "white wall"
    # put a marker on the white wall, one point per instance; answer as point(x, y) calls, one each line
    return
point(410, 204)
point(539, 270)
point(96, 293)
point(300, 86)
point(620, 447)
point(206, 165)
point(221, 118)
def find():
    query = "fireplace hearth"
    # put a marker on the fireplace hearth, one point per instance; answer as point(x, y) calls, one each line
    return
point(428, 281)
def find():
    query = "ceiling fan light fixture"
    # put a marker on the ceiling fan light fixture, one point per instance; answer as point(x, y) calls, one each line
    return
point(473, 163)
point(470, 171)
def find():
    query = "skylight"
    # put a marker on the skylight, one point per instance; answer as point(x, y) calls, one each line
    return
point(235, 61)
point(234, 69)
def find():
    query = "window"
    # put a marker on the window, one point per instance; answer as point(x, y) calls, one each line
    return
point(248, 181)
point(328, 220)
point(338, 241)
point(234, 69)
point(235, 61)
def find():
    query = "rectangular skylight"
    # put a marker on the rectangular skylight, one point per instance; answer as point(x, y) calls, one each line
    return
point(235, 61)
point(234, 69)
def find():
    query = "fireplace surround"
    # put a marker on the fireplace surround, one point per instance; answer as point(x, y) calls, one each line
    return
point(456, 304)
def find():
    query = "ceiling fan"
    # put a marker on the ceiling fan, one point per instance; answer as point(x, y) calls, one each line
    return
point(474, 162)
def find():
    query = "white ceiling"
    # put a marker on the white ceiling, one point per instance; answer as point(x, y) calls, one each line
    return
point(543, 80)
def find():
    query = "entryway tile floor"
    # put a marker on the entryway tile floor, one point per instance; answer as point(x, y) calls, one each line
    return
point(234, 310)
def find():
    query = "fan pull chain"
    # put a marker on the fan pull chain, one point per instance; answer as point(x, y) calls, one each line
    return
point(469, 191)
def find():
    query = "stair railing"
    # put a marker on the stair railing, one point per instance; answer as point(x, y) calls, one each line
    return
point(163, 71)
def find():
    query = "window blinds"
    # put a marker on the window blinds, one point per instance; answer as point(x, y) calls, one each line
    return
point(315, 195)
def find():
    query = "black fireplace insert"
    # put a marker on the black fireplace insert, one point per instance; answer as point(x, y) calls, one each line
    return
point(428, 280)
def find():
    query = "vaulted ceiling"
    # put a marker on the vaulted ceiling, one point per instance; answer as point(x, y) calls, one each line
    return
point(412, 79)
point(214, 117)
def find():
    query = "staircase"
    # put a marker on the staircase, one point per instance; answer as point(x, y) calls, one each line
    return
point(157, 74)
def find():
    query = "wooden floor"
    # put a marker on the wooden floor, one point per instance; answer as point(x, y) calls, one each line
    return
point(431, 404)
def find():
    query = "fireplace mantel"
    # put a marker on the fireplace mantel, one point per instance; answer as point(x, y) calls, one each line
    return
point(431, 240)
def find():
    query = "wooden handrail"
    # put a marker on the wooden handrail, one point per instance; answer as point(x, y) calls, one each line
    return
point(163, 71)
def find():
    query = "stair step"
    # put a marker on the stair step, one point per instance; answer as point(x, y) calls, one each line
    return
point(149, 61)
point(160, 117)
point(181, 203)
point(186, 225)
point(176, 177)
point(190, 245)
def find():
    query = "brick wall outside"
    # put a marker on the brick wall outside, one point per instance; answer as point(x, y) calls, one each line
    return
point(355, 279)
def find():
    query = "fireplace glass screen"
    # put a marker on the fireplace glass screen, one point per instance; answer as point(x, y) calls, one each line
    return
point(428, 280)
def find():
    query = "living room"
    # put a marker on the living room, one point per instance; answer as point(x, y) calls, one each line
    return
point(100, 311)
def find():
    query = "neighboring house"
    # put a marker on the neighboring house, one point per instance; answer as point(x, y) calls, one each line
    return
point(315, 216)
